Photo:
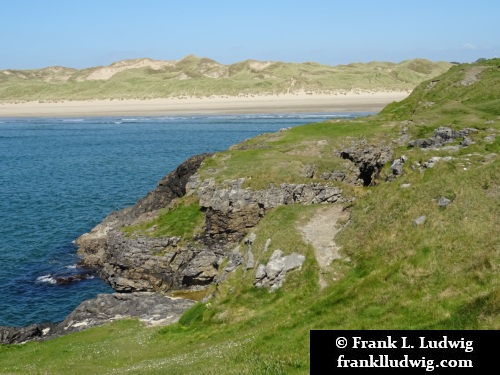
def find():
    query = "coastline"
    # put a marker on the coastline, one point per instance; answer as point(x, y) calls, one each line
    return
point(259, 104)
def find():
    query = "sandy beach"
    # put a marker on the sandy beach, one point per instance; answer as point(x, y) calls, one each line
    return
point(285, 103)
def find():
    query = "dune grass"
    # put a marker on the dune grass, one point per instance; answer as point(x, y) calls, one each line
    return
point(201, 77)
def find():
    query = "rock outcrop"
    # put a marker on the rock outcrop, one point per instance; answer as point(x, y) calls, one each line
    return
point(442, 136)
point(369, 161)
point(17, 335)
point(150, 308)
point(160, 264)
point(272, 275)
point(93, 245)
point(232, 211)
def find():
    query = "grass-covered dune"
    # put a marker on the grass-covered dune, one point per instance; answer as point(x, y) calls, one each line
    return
point(392, 273)
point(202, 77)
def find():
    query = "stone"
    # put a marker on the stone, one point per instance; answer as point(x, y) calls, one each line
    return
point(272, 275)
point(466, 141)
point(397, 166)
point(308, 171)
point(443, 202)
point(490, 138)
point(432, 161)
point(93, 245)
point(267, 244)
point(151, 308)
point(419, 220)
point(232, 211)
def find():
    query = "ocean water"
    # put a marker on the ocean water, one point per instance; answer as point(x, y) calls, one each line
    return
point(59, 177)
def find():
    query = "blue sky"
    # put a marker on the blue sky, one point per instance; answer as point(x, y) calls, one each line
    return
point(85, 33)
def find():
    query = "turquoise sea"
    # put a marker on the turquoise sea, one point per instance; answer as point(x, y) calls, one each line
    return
point(59, 177)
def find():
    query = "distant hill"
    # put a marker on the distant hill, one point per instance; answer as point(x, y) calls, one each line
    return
point(200, 77)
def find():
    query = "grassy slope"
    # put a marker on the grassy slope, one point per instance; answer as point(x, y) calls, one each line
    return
point(440, 275)
point(239, 79)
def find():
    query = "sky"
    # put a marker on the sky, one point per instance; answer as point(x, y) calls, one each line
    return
point(87, 33)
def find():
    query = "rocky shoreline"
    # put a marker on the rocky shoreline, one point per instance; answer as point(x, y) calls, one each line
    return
point(143, 269)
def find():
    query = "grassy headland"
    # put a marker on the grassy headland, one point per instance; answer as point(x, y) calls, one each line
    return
point(393, 274)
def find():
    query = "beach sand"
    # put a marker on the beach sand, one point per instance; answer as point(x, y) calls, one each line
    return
point(284, 103)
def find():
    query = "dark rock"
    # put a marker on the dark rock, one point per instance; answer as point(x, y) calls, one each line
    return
point(422, 143)
point(151, 308)
point(442, 135)
point(93, 245)
point(72, 278)
point(369, 160)
point(17, 335)
point(201, 270)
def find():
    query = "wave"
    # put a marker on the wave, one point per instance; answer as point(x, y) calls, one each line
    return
point(64, 279)
point(48, 279)
point(73, 120)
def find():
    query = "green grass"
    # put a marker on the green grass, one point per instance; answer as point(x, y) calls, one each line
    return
point(392, 275)
point(184, 219)
point(280, 158)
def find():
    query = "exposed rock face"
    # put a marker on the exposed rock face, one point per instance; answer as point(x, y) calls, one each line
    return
point(150, 308)
point(369, 160)
point(160, 264)
point(16, 335)
point(232, 211)
point(93, 245)
point(132, 264)
point(443, 135)
point(157, 264)
point(273, 274)
point(140, 264)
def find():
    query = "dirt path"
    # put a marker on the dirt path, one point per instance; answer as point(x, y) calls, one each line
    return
point(320, 231)
point(472, 75)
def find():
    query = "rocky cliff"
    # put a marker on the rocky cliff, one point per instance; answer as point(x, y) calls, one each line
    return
point(143, 263)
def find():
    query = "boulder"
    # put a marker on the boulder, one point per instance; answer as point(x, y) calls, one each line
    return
point(419, 220)
point(443, 202)
point(17, 335)
point(272, 275)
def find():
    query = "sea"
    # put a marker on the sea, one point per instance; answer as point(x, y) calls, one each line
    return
point(59, 177)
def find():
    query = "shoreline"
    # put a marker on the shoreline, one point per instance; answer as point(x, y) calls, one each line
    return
point(258, 104)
